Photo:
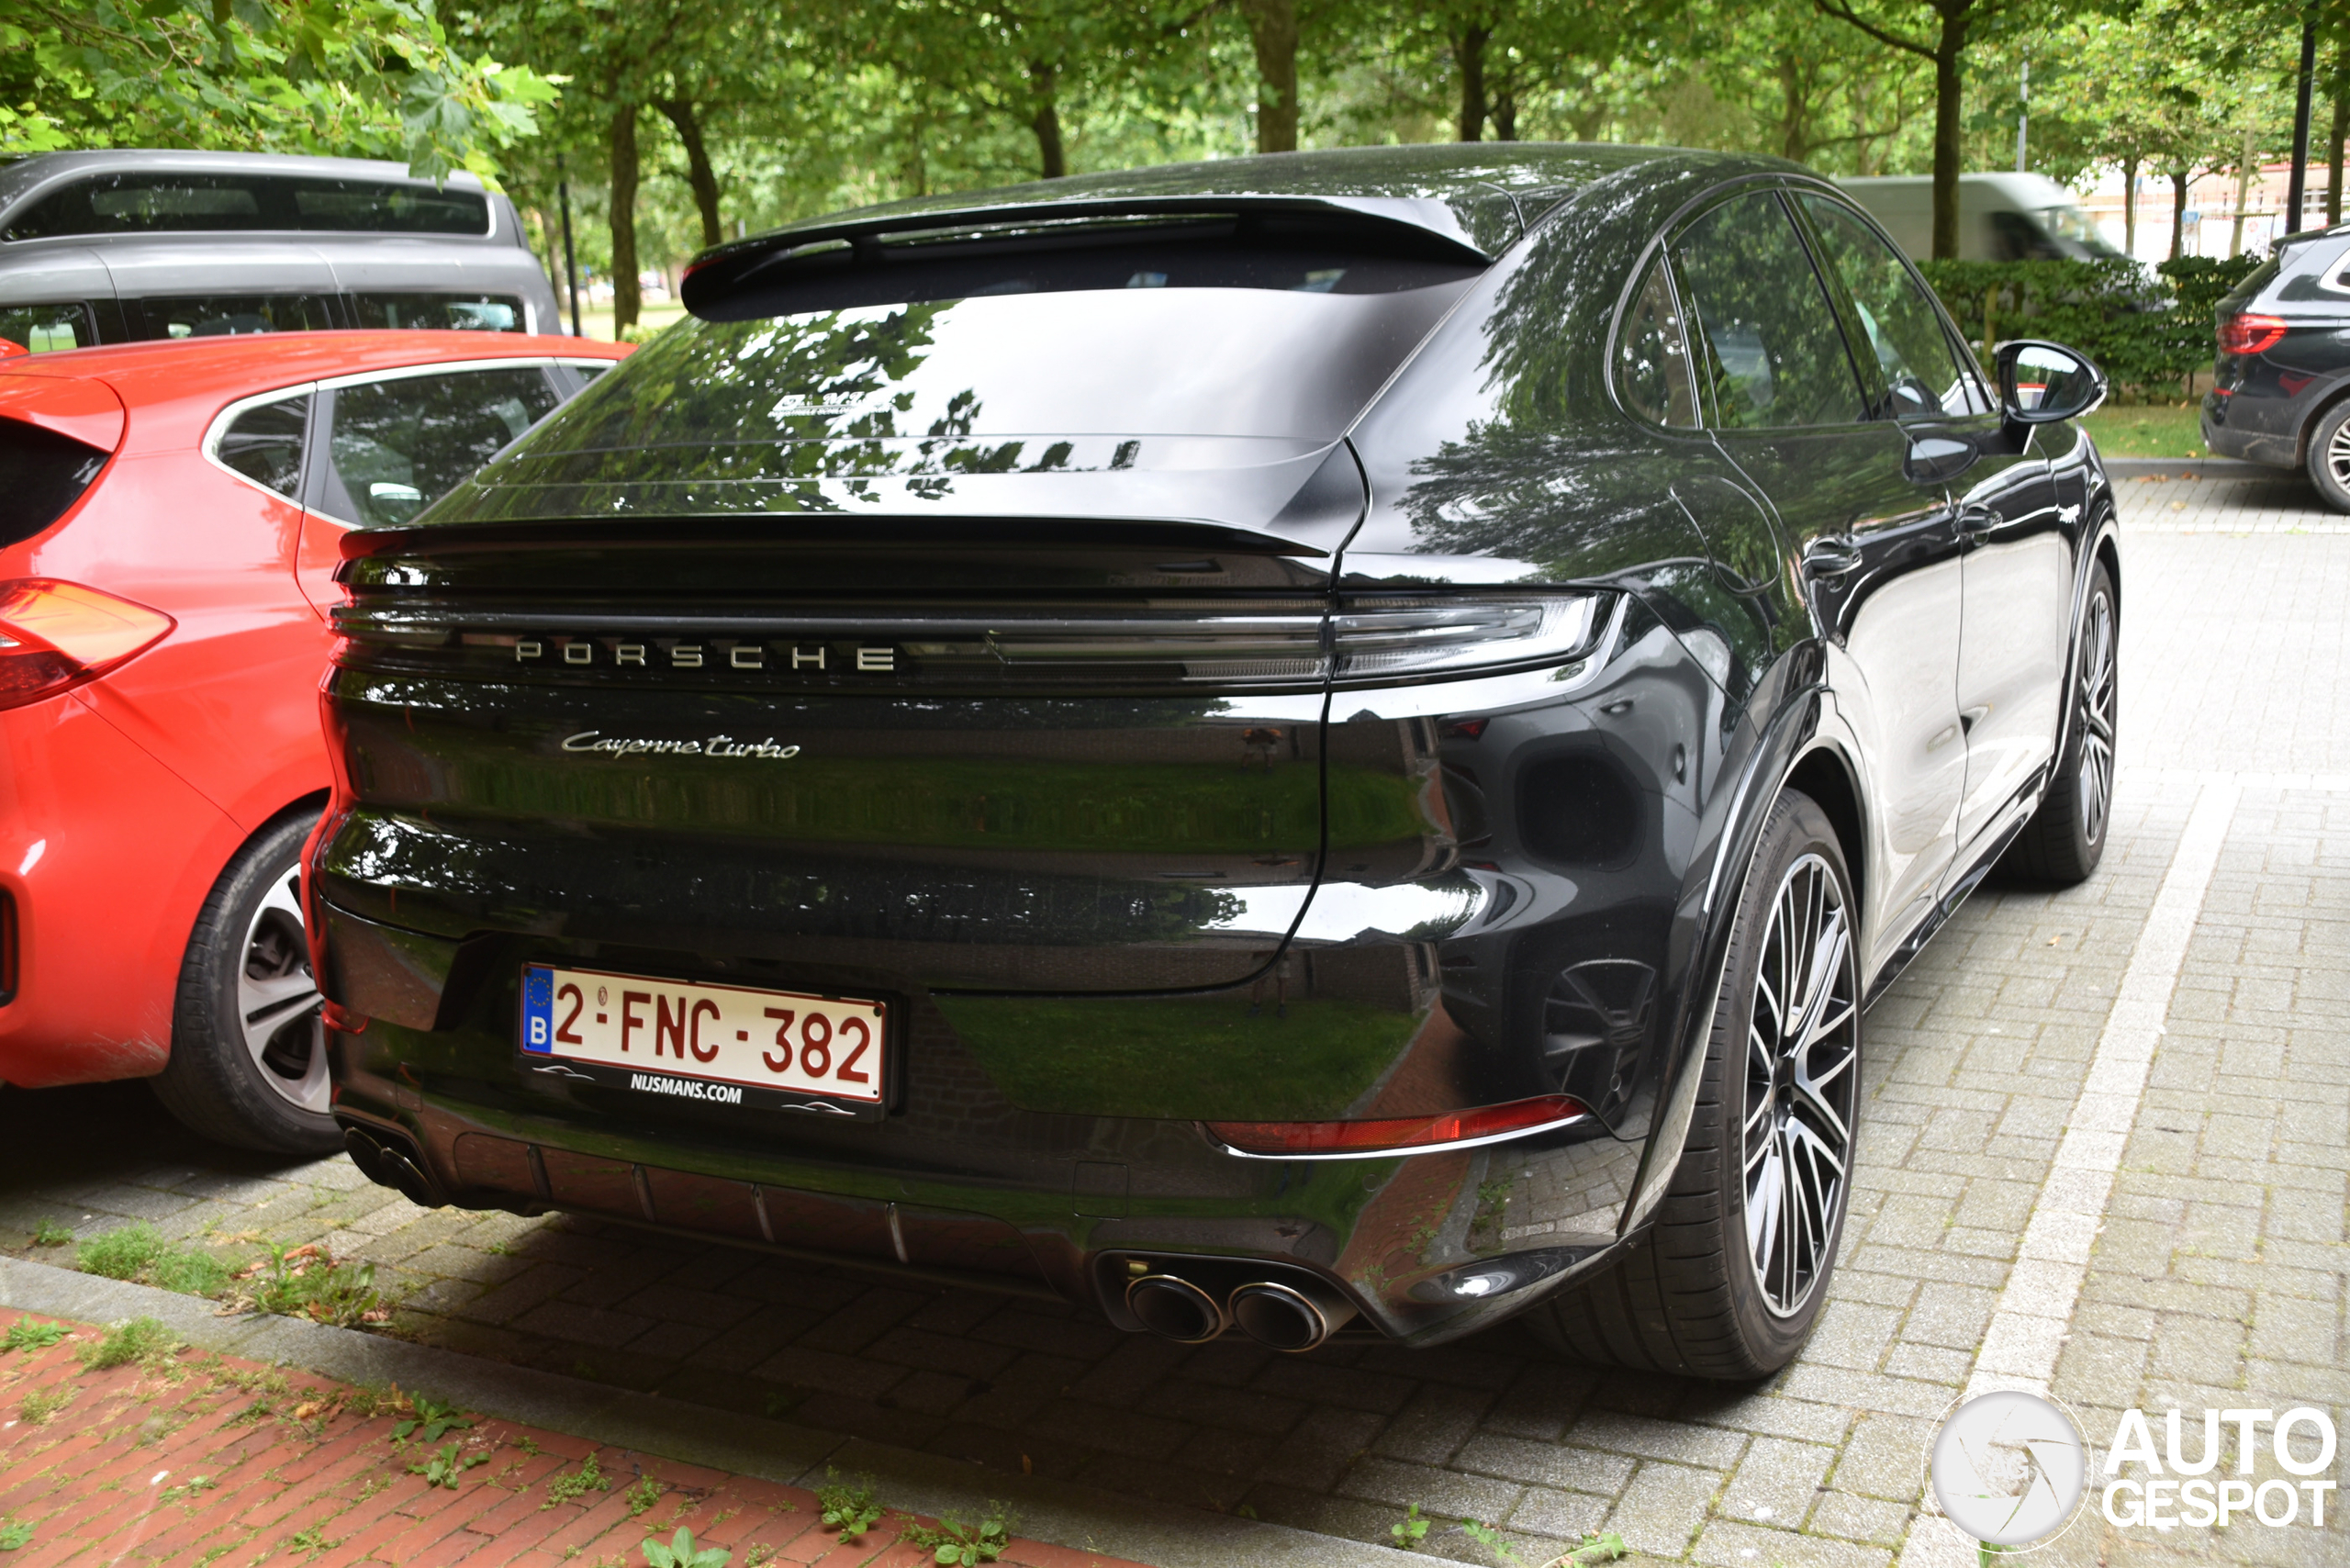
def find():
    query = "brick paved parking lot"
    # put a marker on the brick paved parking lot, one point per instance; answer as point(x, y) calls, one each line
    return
point(2104, 1149)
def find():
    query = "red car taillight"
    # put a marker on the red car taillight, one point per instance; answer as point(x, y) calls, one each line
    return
point(2250, 334)
point(1401, 1134)
point(55, 635)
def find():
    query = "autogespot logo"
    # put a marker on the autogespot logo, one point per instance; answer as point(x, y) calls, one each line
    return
point(2008, 1469)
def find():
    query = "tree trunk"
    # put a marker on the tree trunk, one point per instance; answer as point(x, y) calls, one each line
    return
point(1468, 54)
point(2340, 130)
point(2244, 195)
point(698, 174)
point(1794, 111)
point(1505, 114)
point(1046, 120)
point(1949, 150)
point(1272, 28)
point(625, 299)
point(2178, 178)
point(2130, 206)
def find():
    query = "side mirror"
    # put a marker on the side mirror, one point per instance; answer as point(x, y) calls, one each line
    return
point(2041, 383)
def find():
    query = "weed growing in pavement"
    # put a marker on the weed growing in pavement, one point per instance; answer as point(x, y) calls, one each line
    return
point(523, 1441)
point(848, 1508)
point(137, 1253)
point(1410, 1530)
point(140, 1339)
point(760, 1555)
point(209, 1558)
point(42, 1403)
point(444, 1467)
point(28, 1335)
point(642, 1496)
point(49, 1233)
point(12, 1535)
point(195, 1487)
point(429, 1419)
point(304, 1282)
point(962, 1545)
point(312, 1541)
point(561, 1488)
point(681, 1552)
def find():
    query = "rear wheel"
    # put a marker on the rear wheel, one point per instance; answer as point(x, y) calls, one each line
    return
point(2329, 459)
point(249, 1062)
point(2065, 838)
point(1734, 1271)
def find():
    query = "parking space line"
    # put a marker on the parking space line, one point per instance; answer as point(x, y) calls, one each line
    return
point(2035, 1309)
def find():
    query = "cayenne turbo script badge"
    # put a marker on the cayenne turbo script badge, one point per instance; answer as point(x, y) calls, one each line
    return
point(596, 743)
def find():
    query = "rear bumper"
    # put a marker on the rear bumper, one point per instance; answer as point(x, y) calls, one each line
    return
point(1529, 926)
point(108, 857)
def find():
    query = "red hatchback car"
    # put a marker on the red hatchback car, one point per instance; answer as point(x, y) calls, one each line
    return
point(167, 545)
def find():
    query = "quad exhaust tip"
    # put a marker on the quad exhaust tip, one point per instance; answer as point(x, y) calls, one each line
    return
point(382, 1161)
point(1287, 1318)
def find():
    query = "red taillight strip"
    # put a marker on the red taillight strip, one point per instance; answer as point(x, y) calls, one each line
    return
point(2249, 334)
point(1398, 1135)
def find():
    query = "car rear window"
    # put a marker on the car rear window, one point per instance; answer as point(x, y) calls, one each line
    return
point(40, 329)
point(43, 474)
point(157, 202)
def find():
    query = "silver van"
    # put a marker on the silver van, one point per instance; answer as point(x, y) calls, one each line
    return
point(2001, 218)
point(122, 246)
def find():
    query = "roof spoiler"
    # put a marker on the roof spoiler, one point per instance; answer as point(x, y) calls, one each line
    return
point(1414, 226)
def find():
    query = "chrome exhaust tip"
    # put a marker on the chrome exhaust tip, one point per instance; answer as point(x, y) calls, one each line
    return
point(1282, 1317)
point(1176, 1309)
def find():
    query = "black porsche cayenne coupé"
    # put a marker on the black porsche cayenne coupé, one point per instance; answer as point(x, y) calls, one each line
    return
point(1329, 743)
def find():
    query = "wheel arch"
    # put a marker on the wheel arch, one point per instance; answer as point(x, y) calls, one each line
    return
point(2335, 398)
point(1825, 775)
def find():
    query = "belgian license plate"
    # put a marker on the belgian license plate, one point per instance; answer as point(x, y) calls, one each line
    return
point(706, 1043)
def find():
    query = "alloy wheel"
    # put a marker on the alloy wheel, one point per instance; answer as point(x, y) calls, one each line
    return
point(2097, 699)
point(278, 1003)
point(2338, 455)
point(1803, 1047)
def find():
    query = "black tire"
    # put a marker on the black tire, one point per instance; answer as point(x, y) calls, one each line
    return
point(1692, 1298)
point(2066, 837)
point(248, 1061)
point(2329, 459)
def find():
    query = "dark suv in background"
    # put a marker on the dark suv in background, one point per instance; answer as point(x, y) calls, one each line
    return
point(2280, 394)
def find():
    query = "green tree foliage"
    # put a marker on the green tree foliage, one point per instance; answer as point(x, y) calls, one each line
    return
point(371, 78)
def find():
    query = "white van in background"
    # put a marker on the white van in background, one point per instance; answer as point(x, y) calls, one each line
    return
point(2001, 218)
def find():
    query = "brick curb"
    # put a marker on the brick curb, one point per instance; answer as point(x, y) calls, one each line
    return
point(1057, 1512)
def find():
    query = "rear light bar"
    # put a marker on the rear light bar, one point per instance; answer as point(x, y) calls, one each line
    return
point(56, 635)
point(2247, 334)
point(1400, 1135)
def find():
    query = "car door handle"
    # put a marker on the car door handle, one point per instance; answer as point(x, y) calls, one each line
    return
point(1826, 558)
point(1975, 521)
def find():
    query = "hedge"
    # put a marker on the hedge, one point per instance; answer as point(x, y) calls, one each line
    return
point(2148, 335)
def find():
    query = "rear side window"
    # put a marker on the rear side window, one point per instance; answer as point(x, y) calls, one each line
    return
point(264, 443)
point(401, 444)
point(456, 312)
point(234, 315)
point(156, 202)
point(1653, 357)
point(43, 474)
point(1768, 342)
point(41, 328)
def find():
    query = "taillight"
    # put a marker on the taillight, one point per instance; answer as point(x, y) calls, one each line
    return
point(55, 635)
point(2250, 334)
point(1399, 1135)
